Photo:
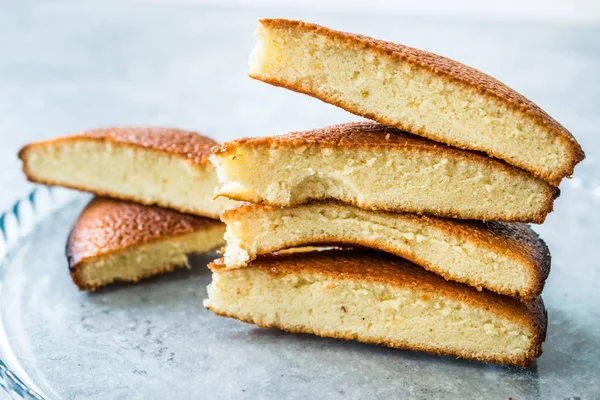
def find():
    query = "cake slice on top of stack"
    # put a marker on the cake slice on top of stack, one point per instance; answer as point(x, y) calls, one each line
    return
point(415, 90)
point(371, 185)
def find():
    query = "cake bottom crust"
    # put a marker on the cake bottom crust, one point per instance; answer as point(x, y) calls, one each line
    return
point(258, 321)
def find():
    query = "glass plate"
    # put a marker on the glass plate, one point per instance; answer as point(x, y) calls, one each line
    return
point(155, 340)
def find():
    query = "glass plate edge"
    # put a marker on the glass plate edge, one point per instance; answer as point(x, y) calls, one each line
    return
point(15, 224)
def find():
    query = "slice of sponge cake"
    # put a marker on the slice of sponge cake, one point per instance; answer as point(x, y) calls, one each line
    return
point(414, 90)
point(379, 168)
point(162, 166)
point(118, 241)
point(504, 257)
point(376, 298)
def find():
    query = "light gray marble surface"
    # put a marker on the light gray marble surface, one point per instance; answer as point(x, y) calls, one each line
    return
point(70, 66)
point(154, 340)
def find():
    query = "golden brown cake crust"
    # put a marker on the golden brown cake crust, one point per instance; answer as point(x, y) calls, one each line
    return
point(106, 226)
point(355, 135)
point(467, 76)
point(362, 135)
point(186, 144)
point(513, 239)
point(380, 268)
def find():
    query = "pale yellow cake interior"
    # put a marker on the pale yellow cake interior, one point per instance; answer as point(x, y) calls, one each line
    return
point(450, 253)
point(388, 179)
point(399, 92)
point(148, 176)
point(137, 262)
point(397, 316)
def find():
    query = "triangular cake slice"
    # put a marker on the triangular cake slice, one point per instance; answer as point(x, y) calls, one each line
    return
point(379, 168)
point(153, 166)
point(376, 298)
point(119, 241)
point(414, 90)
point(504, 257)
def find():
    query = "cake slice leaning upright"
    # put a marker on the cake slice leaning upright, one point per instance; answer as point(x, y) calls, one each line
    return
point(414, 90)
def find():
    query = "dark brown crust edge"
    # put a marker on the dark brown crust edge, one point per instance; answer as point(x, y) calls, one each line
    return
point(527, 107)
point(23, 153)
point(526, 361)
point(538, 284)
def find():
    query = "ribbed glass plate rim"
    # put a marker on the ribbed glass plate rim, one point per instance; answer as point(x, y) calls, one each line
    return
point(16, 224)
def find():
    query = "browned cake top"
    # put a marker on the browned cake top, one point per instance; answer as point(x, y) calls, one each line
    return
point(380, 268)
point(451, 69)
point(107, 225)
point(187, 144)
point(347, 135)
point(360, 135)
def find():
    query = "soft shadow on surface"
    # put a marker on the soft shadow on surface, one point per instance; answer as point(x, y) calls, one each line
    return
point(410, 366)
point(570, 341)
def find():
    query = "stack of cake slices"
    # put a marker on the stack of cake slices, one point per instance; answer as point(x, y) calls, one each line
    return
point(429, 247)
point(156, 205)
